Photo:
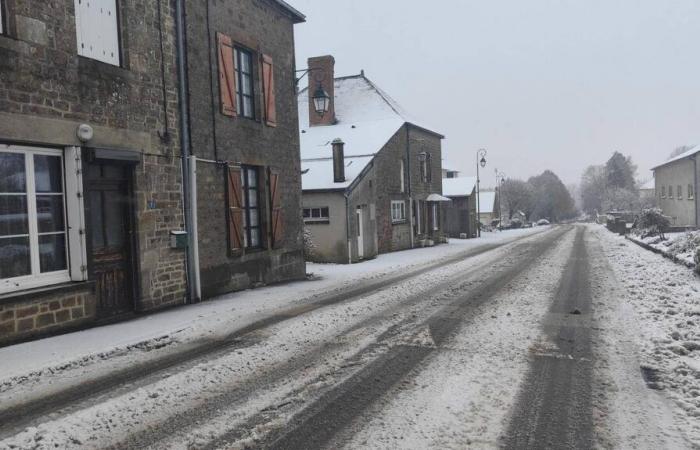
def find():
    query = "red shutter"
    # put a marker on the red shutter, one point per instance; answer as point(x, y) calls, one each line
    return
point(234, 198)
point(268, 78)
point(227, 75)
point(276, 219)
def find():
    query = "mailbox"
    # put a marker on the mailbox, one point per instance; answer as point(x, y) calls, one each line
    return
point(178, 239)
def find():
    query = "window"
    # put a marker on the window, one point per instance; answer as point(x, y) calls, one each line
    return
point(691, 192)
point(251, 208)
point(424, 159)
point(244, 83)
point(435, 216)
point(2, 16)
point(96, 28)
point(417, 216)
point(402, 176)
point(398, 211)
point(663, 191)
point(33, 229)
point(679, 192)
point(670, 191)
point(316, 215)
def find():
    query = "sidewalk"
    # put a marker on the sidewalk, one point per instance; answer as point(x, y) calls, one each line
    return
point(213, 318)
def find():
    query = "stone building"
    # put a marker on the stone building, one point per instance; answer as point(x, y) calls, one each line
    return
point(371, 176)
point(90, 172)
point(460, 214)
point(488, 212)
point(245, 136)
point(676, 184)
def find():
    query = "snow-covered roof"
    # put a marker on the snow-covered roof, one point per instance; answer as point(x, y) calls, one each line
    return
point(317, 174)
point(651, 184)
point(487, 201)
point(367, 118)
point(458, 187)
point(683, 155)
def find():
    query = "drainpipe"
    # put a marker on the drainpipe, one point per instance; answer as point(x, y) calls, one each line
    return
point(183, 106)
point(695, 191)
point(408, 185)
point(347, 225)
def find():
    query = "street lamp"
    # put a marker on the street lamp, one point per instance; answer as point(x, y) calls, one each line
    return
point(480, 161)
point(321, 100)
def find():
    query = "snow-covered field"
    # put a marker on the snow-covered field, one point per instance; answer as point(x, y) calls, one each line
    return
point(656, 309)
point(681, 247)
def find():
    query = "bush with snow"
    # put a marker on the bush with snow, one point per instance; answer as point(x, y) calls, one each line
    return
point(309, 245)
point(652, 222)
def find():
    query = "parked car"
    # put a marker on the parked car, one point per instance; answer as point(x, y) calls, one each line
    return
point(543, 222)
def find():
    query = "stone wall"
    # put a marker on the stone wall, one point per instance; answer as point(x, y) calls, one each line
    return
point(44, 314)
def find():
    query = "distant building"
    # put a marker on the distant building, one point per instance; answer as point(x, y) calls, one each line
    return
point(487, 207)
point(676, 182)
point(460, 214)
point(449, 173)
point(370, 175)
point(647, 194)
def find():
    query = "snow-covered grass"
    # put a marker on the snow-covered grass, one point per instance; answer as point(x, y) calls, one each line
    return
point(662, 300)
point(680, 247)
point(156, 334)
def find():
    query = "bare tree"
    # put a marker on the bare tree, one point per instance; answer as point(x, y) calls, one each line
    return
point(680, 150)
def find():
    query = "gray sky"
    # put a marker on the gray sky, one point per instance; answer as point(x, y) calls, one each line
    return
point(541, 84)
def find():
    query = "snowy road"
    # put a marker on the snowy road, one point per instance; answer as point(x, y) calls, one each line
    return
point(521, 343)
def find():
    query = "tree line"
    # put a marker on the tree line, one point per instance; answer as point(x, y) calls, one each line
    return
point(541, 197)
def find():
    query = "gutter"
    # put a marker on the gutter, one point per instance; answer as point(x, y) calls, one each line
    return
point(183, 106)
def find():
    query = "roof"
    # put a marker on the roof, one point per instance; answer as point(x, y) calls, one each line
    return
point(683, 155)
point(458, 187)
point(487, 201)
point(297, 17)
point(367, 119)
point(317, 174)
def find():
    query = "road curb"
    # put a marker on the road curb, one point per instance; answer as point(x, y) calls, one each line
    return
point(662, 253)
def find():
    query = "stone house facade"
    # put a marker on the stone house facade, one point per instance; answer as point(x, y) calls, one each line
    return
point(371, 177)
point(245, 137)
point(90, 171)
point(676, 184)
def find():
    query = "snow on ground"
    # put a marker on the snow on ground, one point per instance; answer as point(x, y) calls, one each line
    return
point(679, 246)
point(659, 309)
point(462, 395)
point(347, 325)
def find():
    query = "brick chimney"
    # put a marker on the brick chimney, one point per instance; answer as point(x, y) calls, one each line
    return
point(323, 73)
point(338, 160)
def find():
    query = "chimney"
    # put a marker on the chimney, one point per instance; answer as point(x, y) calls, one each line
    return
point(323, 73)
point(338, 160)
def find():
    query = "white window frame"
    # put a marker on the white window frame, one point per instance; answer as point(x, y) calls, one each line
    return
point(74, 220)
point(402, 174)
point(398, 211)
point(101, 32)
point(662, 194)
point(670, 191)
point(418, 221)
point(435, 217)
point(691, 192)
point(679, 192)
point(321, 218)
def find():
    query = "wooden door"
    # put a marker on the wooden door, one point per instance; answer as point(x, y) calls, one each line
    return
point(110, 232)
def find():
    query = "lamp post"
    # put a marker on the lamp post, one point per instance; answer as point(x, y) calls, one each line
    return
point(480, 161)
point(500, 181)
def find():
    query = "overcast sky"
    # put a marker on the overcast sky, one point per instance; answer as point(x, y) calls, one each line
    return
point(541, 84)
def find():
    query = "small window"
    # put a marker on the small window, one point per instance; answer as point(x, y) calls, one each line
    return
point(316, 215)
point(244, 83)
point(2, 17)
point(97, 31)
point(398, 211)
point(251, 207)
point(679, 192)
point(402, 176)
point(670, 191)
point(691, 192)
point(663, 191)
point(425, 161)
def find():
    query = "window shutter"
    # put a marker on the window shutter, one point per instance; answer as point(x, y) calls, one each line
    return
point(268, 77)
point(276, 209)
point(75, 212)
point(227, 75)
point(234, 199)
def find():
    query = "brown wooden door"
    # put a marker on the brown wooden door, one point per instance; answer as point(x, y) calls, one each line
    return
point(110, 234)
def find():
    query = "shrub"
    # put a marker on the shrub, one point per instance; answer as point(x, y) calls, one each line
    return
point(309, 246)
point(652, 222)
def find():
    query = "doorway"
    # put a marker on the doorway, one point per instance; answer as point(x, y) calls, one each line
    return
point(110, 236)
point(360, 235)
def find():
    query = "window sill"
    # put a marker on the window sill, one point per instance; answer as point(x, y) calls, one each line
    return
point(317, 222)
point(29, 294)
point(398, 222)
point(86, 64)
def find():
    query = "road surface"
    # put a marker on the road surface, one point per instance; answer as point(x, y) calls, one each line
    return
point(499, 347)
